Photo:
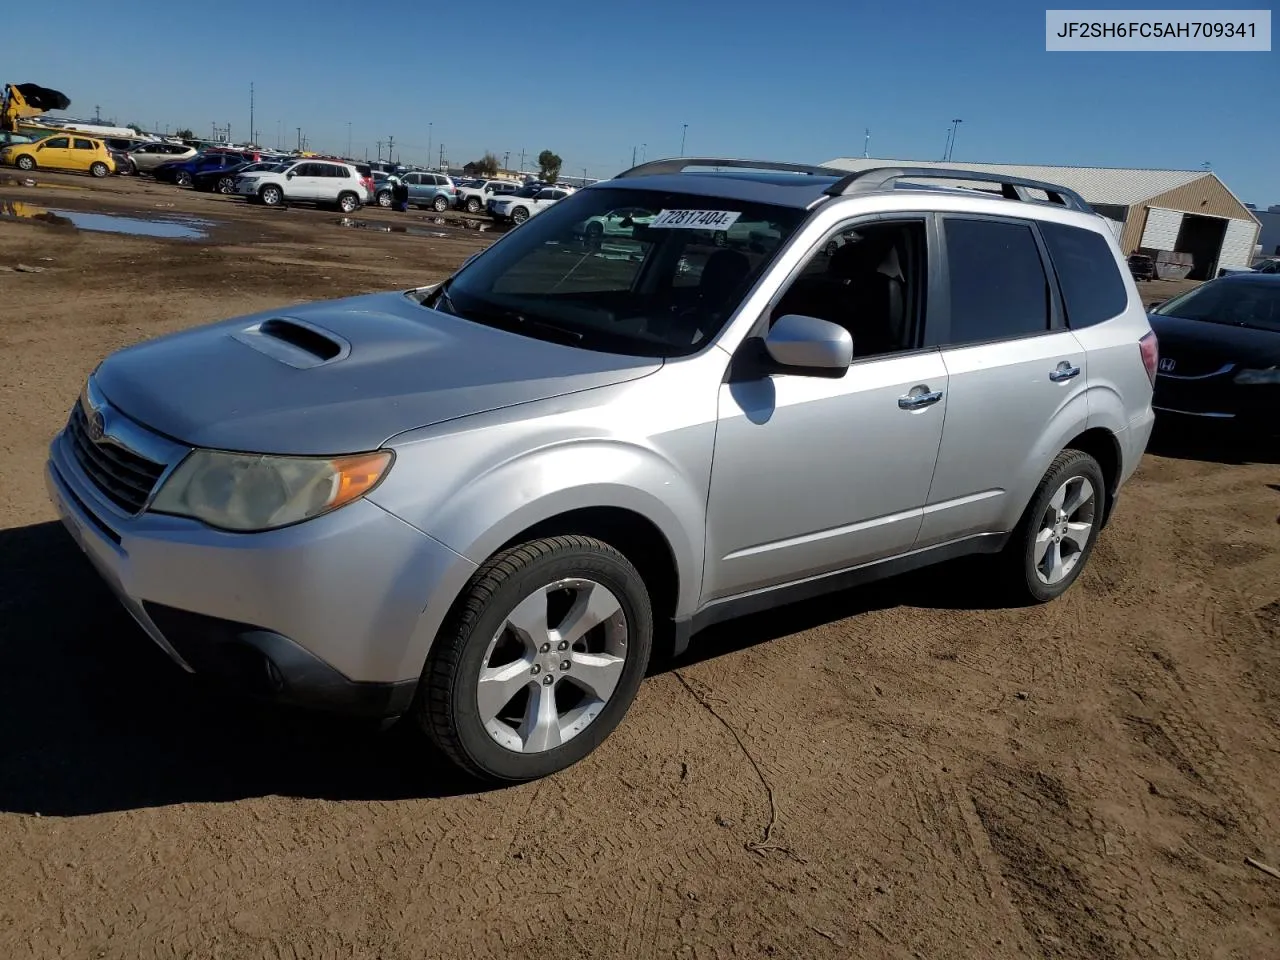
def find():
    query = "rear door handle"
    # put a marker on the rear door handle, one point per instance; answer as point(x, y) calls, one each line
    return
point(1065, 371)
point(915, 402)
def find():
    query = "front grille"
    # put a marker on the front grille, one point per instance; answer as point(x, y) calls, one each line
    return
point(124, 478)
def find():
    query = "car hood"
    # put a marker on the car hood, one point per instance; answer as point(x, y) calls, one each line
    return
point(1247, 346)
point(342, 376)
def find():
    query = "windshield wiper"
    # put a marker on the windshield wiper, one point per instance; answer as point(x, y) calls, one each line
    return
point(514, 319)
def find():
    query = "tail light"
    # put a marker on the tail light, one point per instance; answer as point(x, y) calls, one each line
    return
point(1150, 348)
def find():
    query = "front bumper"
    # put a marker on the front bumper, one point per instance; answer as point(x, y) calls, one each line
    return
point(322, 614)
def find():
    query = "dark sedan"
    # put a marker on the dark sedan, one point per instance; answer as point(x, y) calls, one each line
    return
point(223, 180)
point(1220, 352)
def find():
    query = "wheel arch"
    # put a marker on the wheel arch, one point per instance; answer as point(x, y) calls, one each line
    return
point(1103, 445)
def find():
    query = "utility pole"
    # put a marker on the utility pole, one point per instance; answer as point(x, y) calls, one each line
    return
point(866, 143)
point(683, 131)
point(430, 124)
point(644, 152)
point(299, 139)
point(955, 128)
point(348, 139)
point(633, 156)
point(378, 144)
point(252, 136)
point(390, 143)
point(97, 113)
point(584, 176)
point(441, 166)
point(506, 160)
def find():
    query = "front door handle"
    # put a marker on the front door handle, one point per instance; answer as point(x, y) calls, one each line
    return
point(1065, 371)
point(916, 401)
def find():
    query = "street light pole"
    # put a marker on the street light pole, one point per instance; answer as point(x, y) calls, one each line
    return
point(348, 139)
point(955, 128)
point(429, 132)
point(684, 130)
point(251, 126)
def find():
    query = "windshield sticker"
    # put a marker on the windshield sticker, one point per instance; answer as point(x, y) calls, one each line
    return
point(695, 219)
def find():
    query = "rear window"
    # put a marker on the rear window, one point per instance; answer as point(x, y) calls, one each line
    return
point(634, 272)
point(998, 285)
point(1092, 288)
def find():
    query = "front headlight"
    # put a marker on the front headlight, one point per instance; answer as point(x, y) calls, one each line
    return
point(243, 492)
point(1255, 377)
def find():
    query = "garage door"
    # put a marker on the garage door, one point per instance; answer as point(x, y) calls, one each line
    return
point(1237, 245)
point(1161, 230)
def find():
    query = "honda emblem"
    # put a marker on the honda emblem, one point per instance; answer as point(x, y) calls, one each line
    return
point(1167, 364)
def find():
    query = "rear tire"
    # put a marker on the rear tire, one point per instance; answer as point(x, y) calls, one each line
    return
point(99, 170)
point(504, 737)
point(440, 204)
point(384, 199)
point(1055, 538)
point(348, 202)
point(226, 186)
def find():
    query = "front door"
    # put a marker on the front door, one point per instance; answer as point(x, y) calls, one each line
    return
point(304, 185)
point(55, 153)
point(813, 475)
point(1013, 366)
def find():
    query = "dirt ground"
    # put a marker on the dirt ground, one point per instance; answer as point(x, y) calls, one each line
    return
point(898, 772)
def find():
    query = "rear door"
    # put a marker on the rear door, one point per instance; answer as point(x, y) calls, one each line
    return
point(1013, 368)
point(84, 153)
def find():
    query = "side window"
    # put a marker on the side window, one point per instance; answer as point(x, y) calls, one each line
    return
point(58, 143)
point(1092, 289)
point(545, 195)
point(997, 281)
point(83, 144)
point(869, 279)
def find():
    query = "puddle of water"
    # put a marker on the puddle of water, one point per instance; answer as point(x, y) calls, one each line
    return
point(390, 228)
point(163, 227)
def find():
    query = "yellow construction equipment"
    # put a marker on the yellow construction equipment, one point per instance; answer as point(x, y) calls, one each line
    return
point(22, 101)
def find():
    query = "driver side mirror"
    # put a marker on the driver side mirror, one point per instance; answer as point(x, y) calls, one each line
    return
point(289, 175)
point(809, 346)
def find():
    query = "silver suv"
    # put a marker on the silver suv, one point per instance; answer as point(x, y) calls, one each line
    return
point(486, 503)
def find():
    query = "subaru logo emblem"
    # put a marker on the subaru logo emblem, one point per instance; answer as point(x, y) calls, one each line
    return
point(1167, 364)
point(94, 426)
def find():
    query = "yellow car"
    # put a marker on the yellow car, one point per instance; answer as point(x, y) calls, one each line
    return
point(61, 152)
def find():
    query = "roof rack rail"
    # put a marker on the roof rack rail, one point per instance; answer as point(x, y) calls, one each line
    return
point(680, 164)
point(1011, 188)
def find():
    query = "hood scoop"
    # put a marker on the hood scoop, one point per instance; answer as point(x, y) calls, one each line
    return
point(295, 342)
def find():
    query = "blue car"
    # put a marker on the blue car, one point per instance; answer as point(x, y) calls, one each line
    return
point(183, 172)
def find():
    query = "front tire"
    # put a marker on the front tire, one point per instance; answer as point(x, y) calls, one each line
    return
point(473, 205)
point(539, 660)
point(184, 179)
point(271, 195)
point(26, 162)
point(1053, 542)
point(519, 215)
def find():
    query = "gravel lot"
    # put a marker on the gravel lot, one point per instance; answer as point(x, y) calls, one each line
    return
point(897, 772)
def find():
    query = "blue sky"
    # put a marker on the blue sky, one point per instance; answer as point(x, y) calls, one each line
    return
point(591, 81)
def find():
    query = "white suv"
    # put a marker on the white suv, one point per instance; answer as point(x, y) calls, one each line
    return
point(474, 199)
point(523, 204)
point(306, 181)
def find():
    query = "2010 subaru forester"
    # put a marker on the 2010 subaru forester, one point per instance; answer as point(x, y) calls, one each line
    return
point(477, 502)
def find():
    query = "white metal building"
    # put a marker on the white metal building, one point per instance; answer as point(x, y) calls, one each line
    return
point(1188, 211)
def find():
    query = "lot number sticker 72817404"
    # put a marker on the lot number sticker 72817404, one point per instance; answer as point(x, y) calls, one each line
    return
point(695, 220)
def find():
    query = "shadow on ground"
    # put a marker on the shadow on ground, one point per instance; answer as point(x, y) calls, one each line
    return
point(95, 718)
point(1212, 443)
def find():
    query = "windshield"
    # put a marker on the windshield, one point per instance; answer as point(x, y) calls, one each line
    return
point(660, 281)
point(1237, 303)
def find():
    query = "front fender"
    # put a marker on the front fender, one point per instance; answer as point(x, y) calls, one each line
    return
point(487, 511)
